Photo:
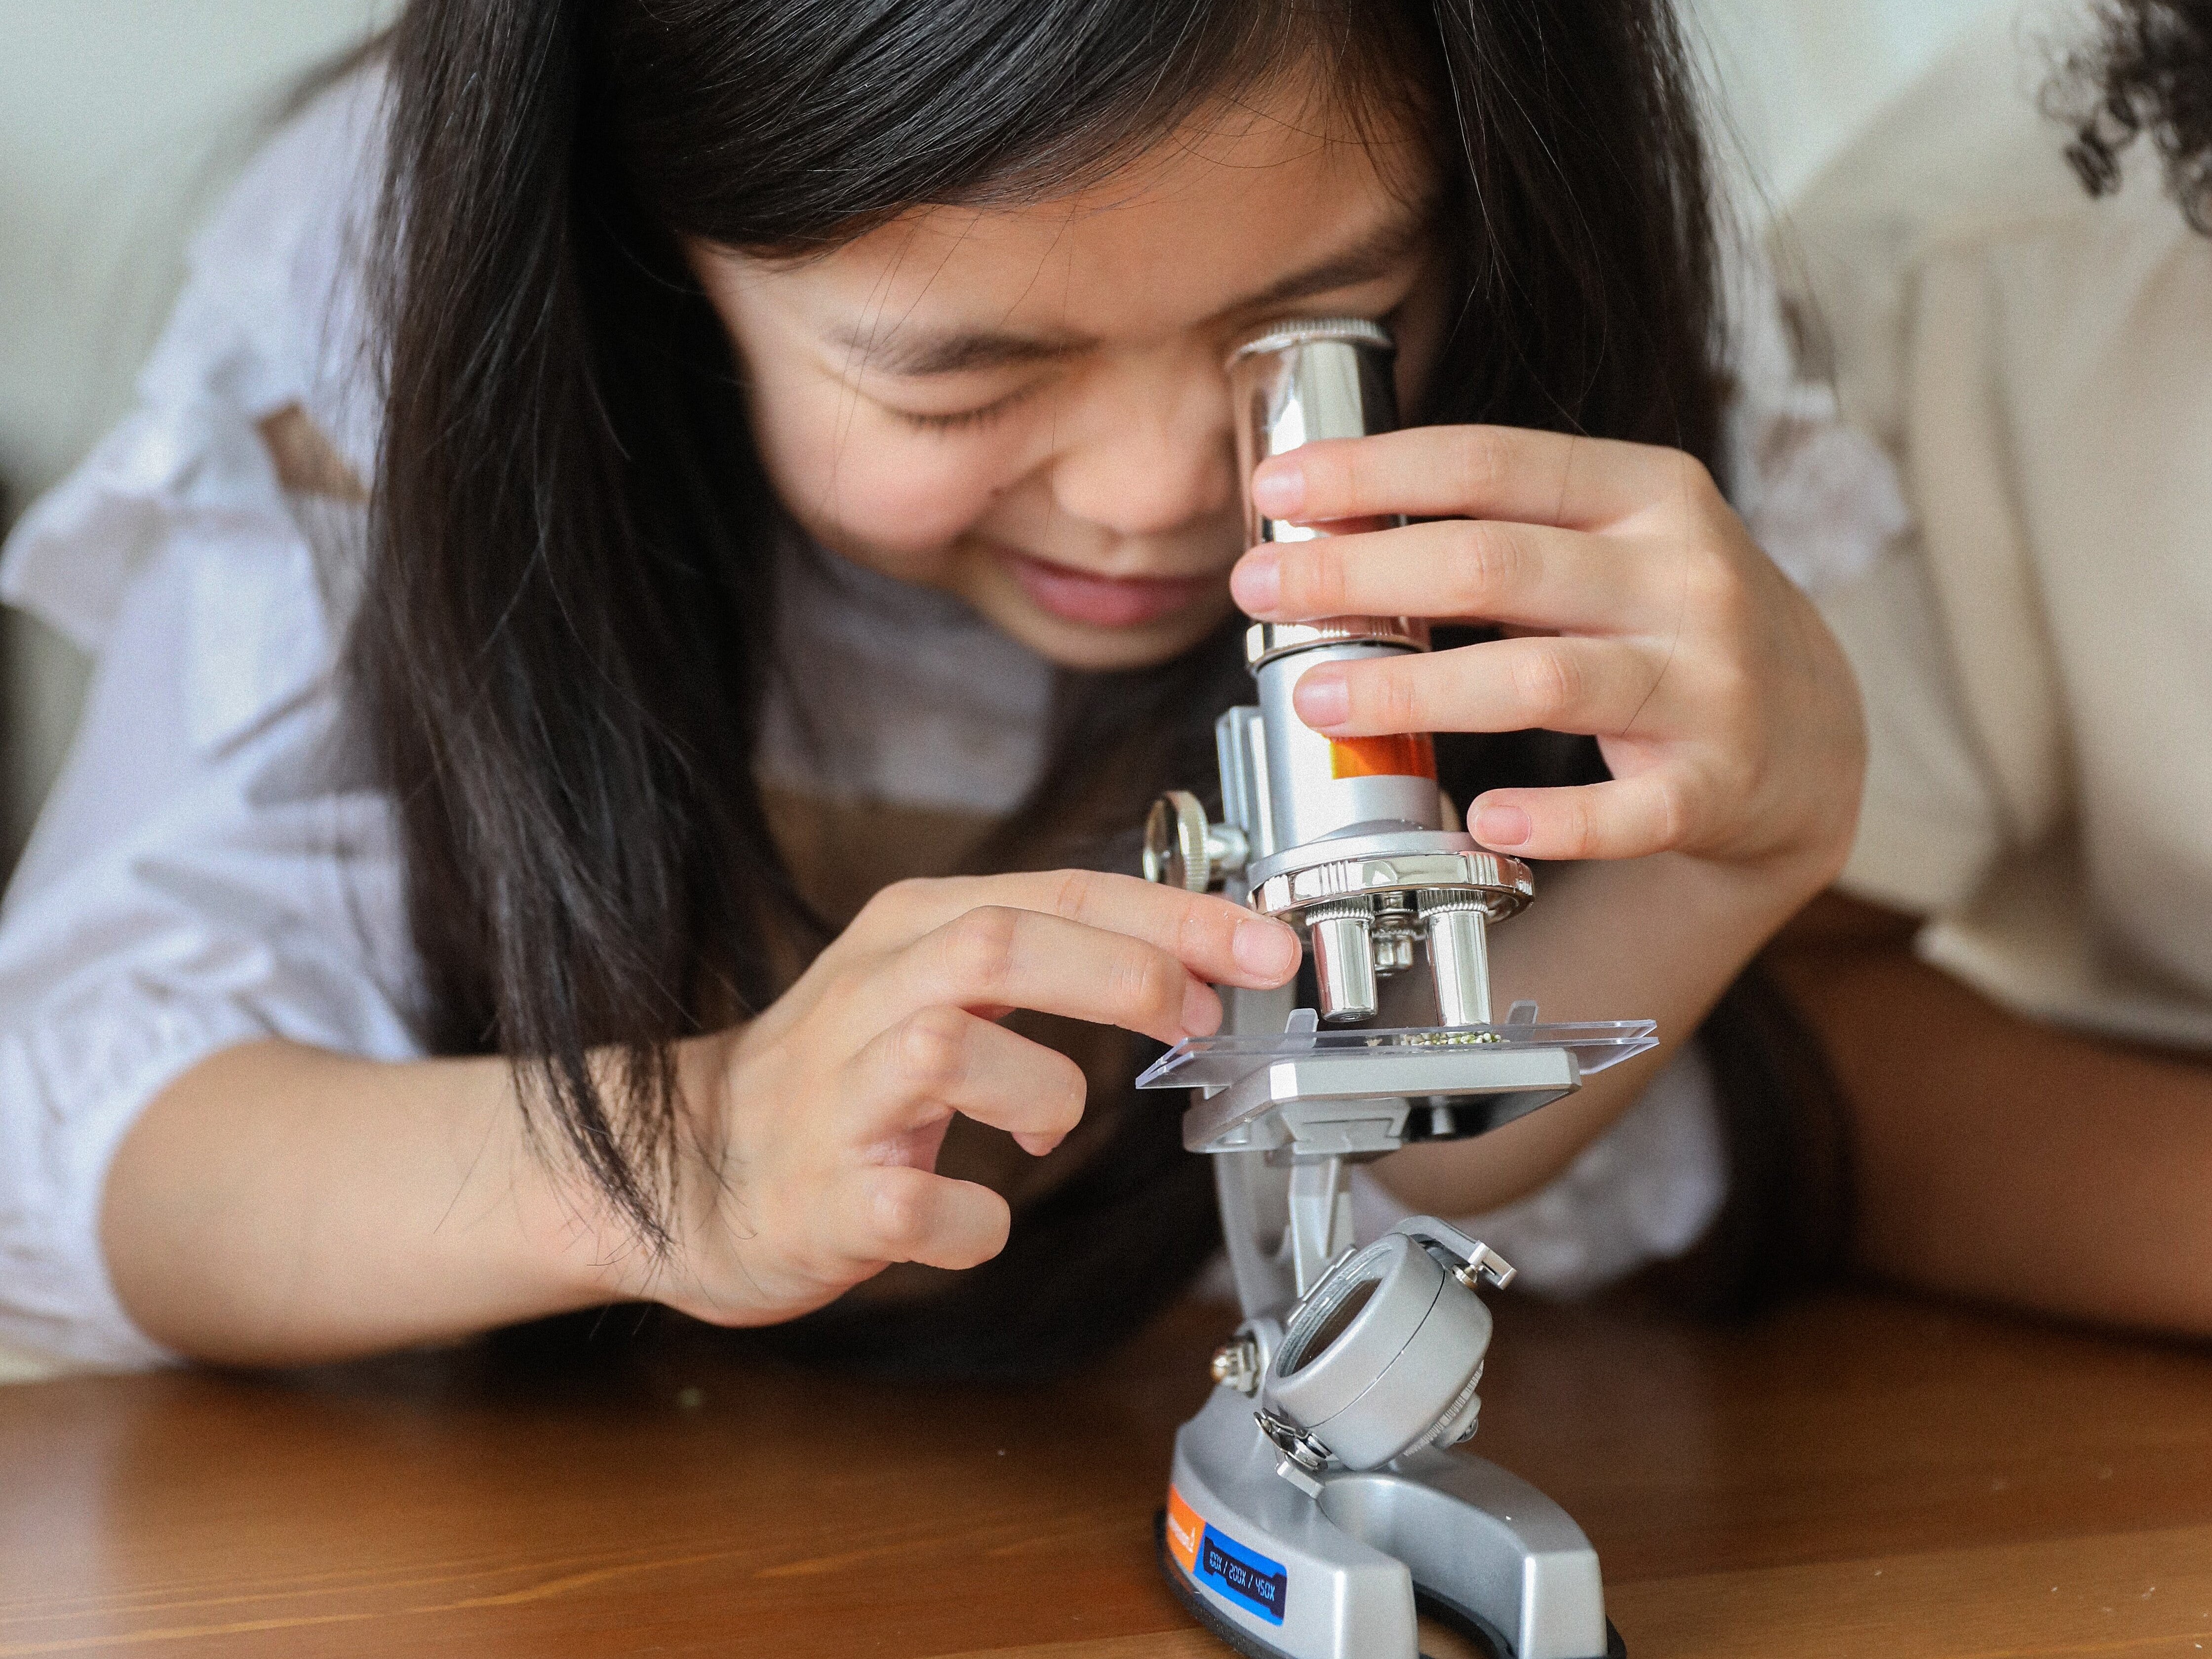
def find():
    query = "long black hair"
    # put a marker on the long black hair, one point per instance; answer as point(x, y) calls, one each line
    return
point(559, 654)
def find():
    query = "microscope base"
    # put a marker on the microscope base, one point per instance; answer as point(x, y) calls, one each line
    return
point(1280, 1575)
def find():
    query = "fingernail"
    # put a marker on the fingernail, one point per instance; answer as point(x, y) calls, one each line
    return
point(1257, 581)
point(1279, 488)
point(1201, 1009)
point(1266, 950)
point(1321, 699)
point(1500, 826)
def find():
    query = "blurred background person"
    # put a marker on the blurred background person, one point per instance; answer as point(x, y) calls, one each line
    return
point(2014, 986)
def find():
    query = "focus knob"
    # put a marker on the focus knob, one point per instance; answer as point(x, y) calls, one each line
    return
point(1182, 849)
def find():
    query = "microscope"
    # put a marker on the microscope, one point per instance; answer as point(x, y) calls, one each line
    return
point(1313, 1510)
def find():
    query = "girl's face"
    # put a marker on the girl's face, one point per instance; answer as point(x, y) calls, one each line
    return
point(1025, 406)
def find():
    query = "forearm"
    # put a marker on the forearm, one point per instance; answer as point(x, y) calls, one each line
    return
point(2001, 1158)
point(1652, 939)
point(280, 1205)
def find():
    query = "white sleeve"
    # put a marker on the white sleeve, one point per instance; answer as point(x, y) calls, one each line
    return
point(213, 866)
point(1956, 775)
point(1931, 824)
point(205, 874)
point(1645, 1191)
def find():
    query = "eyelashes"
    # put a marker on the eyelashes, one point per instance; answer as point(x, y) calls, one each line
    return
point(971, 420)
point(966, 420)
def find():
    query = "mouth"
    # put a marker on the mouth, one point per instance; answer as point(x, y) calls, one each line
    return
point(1082, 596)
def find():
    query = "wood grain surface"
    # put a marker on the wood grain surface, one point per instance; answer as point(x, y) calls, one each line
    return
point(1858, 1476)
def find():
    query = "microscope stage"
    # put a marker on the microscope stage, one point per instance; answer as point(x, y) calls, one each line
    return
point(1352, 1093)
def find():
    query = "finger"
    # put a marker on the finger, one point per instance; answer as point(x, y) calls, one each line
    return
point(1221, 942)
point(894, 1212)
point(1470, 569)
point(1633, 817)
point(1476, 472)
point(1602, 688)
point(942, 1059)
point(997, 957)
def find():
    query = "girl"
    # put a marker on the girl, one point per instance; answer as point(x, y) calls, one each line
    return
point(629, 480)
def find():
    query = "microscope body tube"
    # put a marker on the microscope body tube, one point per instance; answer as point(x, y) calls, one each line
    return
point(1295, 384)
point(1292, 385)
point(1318, 786)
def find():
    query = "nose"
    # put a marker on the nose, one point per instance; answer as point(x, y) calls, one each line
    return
point(1152, 452)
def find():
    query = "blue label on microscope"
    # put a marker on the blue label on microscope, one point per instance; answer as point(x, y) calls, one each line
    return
point(1245, 1577)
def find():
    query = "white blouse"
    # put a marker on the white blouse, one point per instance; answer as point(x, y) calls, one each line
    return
point(2037, 657)
point(215, 868)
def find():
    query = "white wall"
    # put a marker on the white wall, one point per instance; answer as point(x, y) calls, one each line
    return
point(120, 120)
point(1799, 77)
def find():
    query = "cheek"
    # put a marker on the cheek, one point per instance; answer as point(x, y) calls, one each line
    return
point(852, 473)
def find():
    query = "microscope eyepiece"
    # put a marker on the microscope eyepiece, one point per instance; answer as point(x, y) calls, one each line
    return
point(1300, 380)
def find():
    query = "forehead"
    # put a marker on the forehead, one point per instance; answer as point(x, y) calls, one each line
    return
point(1234, 201)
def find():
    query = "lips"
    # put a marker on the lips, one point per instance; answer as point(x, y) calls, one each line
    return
point(1080, 596)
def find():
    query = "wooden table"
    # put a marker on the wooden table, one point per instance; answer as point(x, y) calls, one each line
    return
point(1858, 1476)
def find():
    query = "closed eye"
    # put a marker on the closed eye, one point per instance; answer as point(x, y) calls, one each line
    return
point(965, 419)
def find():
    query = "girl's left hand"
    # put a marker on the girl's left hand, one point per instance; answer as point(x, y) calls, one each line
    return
point(1637, 610)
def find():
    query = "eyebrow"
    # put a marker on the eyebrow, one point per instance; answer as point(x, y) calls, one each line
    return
point(957, 351)
point(1388, 247)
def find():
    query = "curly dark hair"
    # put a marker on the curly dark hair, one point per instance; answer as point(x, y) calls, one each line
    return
point(2147, 70)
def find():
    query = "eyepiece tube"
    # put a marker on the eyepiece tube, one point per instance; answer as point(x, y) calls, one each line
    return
point(1295, 382)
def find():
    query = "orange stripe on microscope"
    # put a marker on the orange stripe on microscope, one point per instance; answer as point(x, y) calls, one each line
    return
point(1413, 756)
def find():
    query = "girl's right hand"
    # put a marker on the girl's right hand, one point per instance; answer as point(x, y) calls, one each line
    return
point(816, 1127)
